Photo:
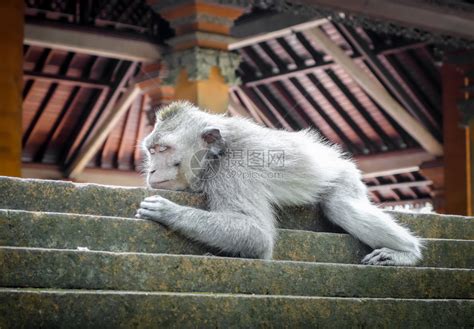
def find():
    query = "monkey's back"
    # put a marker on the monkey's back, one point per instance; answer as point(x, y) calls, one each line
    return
point(298, 167)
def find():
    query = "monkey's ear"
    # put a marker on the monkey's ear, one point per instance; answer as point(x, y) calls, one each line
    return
point(211, 135)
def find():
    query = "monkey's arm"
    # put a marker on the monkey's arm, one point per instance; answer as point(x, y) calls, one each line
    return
point(230, 231)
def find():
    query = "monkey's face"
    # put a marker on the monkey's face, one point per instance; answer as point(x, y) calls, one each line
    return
point(179, 146)
point(165, 161)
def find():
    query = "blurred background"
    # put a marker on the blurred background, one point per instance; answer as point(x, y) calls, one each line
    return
point(389, 81)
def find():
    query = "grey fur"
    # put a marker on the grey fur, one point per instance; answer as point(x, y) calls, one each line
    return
point(242, 198)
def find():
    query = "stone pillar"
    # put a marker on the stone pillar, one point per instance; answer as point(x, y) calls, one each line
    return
point(458, 134)
point(11, 81)
point(198, 67)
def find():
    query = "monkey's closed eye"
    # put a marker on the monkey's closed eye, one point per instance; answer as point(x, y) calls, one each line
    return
point(159, 148)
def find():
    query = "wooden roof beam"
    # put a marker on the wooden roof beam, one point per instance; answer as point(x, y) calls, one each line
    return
point(351, 147)
point(92, 43)
point(101, 133)
point(276, 34)
point(99, 107)
point(317, 65)
point(66, 80)
point(378, 93)
point(406, 97)
point(256, 112)
point(410, 202)
point(236, 109)
point(401, 185)
point(391, 163)
point(420, 14)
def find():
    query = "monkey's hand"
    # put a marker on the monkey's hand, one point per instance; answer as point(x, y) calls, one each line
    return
point(158, 209)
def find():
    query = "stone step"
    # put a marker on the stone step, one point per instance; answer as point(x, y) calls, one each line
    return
point(42, 308)
point(70, 231)
point(73, 269)
point(66, 197)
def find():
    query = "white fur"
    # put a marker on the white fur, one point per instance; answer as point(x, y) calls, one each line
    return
point(242, 198)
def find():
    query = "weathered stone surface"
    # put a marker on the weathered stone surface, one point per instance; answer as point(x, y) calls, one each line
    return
point(53, 268)
point(70, 231)
point(55, 196)
point(26, 308)
point(196, 291)
point(343, 248)
point(438, 226)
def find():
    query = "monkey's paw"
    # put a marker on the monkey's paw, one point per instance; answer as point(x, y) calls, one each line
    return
point(387, 256)
point(158, 209)
point(381, 256)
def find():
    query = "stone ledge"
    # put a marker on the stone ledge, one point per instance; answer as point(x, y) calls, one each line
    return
point(70, 231)
point(53, 268)
point(66, 197)
point(27, 308)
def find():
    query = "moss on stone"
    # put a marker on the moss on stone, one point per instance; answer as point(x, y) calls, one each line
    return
point(24, 267)
point(70, 231)
point(66, 197)
point(24, 308)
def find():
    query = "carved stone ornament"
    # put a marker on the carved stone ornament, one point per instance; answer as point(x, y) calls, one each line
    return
point(198, 62)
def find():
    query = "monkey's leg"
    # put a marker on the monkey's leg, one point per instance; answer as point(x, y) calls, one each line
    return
point(232, 232)
point(393, 243)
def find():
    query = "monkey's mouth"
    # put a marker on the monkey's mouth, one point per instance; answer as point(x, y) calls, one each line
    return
point(168, 184)
point(163, 181)
point(160, 184)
